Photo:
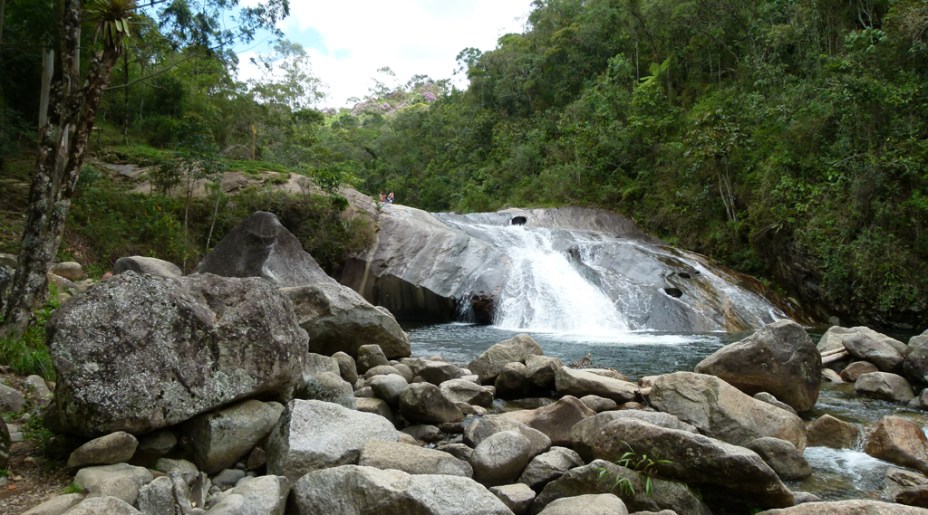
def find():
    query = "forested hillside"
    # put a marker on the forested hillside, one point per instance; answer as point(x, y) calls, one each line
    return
point(786, 138)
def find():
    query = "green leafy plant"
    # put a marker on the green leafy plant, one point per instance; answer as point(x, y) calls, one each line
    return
point(73, 488)
point(27, 354)
point(645, 465)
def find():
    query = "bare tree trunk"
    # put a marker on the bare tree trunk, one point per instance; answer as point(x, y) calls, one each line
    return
point(62, 143)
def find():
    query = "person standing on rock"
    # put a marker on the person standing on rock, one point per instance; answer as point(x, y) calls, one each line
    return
point(390, 198)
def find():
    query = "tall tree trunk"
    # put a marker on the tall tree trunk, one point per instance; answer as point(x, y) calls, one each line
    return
point(63, 141)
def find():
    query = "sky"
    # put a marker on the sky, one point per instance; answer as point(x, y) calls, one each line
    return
point(349, 40)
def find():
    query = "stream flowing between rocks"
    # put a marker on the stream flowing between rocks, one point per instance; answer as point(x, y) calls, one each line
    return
point(839, 473)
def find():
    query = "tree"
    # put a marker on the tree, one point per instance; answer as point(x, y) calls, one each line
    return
point(72, 111)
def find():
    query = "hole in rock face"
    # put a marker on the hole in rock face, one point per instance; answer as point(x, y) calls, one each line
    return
point(673, 292)
point(518, 220)
point(684, 275)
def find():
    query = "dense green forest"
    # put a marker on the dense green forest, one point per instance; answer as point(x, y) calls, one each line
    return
point(786, 138)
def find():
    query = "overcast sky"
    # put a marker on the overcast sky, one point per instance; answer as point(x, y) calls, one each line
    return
point(348, 40)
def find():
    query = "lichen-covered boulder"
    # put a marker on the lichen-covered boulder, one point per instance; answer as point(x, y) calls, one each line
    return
point(779, 358)
point(138, 352)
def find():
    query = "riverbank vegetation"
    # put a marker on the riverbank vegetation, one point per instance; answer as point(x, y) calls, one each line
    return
point(786, 138)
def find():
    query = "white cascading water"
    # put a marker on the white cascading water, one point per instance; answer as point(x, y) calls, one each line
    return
point(547, 294)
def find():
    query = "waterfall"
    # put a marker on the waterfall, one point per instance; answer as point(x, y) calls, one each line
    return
point(587, 282)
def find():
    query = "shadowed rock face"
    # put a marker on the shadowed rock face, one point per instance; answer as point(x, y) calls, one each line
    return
point(436, 267)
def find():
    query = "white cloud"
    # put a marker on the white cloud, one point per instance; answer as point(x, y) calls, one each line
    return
point(410, 36)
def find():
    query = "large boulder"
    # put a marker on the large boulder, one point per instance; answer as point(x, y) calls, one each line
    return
point(782, 457)
point(899, 440)
point(722, 411)
point(311, 435)
point(138, 352)
point(146, 265)
point(120, 480)
point(264, 495)
point(605, 477)
point(549, 466)
point(738, 473)
point(915, 365)
point(864, 343)
point(221, 438)
point(424, 403)
point(828, 431)
point(580, 382)
point(501, 457)
point(357, 490)
point(336, 318)
point(851, 507)
point(412, 459)
point(779, 358)
point(884, 385)
point(556, 419)
point(482, 428)
point(491, 362)
point(113, 448)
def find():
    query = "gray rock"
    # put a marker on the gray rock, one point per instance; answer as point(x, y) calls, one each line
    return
point(899, 440)
point(605, 477)
point(370, 356)
point(437, 372)
point(512, 382)
point(915, 365)
point(541, 370)
point(11, 399)
point(881, 350)
point(722, 411)
point(847, 507)
point(70, 270)
point(388, 387)
point(264, 495)
point(884, 385)
point(412, 459)
point(121, 481)
point(833, 339)
point(501, 458)
point(588, 504)
point(221, 438)
point(598, 404)
point(227, 478)
point(920, 401)
point(423, 403)
point(694, 459)
point(317, 363)
point(106, 504)
point(147, 266)
point(554, 420)
point(424, 432)
point(157, 497)
point(187, 345)
point(57, 505)
point(773, 401)
point(313, 434)
point(779, 358)
point(783, 458)
point(157, 443)
point(548, 466)
point(579, 382)
point(490, 362)
point(375, 406)
point(37, 389)
point(856, 369)
point(596, 423)
point(464, 391)
point(6, 442)
point(356, 490)
point(382, 370)
point(346, 367)
point(113, 448)
point(176, 467)
point(325, 386)
point(517, 497)
point(829, 431)
point(482, 428)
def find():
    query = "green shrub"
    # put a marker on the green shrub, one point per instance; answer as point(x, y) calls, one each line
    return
point(28, 354)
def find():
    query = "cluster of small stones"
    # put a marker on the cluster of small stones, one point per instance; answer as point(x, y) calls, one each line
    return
point(513, 432)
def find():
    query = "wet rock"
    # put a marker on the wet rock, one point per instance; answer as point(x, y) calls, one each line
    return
point(491, 362)
point(548, 466)
point(603, 477)
point(412, 459)
point(187, 345)
point(357, 489)
point(783, 458)
point(113, 448)
point(856, 369)
point(579, 382)
point(221, 438)
point(313, 434)
point(779, 358)
point(424, 403)
point(554, 420)
point(884, 385)
point(588, 504)
point(829, 431)
point(147, 266)
point(501, 457)
point(899, 440)
point(721, 411)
